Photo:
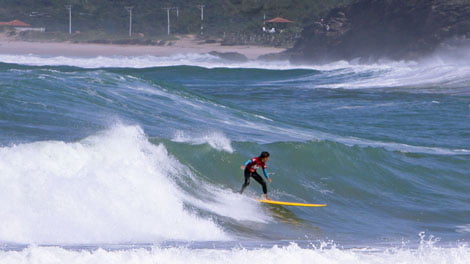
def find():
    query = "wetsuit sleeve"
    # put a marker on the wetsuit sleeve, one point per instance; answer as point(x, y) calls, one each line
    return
point(266, 174)
point(247, 162)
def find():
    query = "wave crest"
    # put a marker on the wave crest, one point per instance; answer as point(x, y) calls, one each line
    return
point(108, 188)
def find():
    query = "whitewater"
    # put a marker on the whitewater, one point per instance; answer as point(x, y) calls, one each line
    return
point(137, 160)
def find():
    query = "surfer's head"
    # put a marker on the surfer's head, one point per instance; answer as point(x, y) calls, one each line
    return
point(264, 156)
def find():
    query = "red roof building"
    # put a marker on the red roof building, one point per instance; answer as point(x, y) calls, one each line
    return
point(15, 23)
point(279, 20)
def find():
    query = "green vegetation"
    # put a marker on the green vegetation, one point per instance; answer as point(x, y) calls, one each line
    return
point(107, 18)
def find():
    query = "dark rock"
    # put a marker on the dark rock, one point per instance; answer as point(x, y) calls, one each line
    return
point(373, 29)
point(274, 56)
point(232, 56)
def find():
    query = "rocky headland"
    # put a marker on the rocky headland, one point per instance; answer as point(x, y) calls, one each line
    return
point(375, 29)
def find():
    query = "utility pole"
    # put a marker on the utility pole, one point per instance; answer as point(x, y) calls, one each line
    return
point(201, 7)
point(69, 7)
point(129, 8)
point(168, 17)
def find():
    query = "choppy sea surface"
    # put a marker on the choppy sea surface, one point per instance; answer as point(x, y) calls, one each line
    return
point(137, 160)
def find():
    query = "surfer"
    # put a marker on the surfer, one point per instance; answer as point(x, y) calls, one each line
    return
point(250, 168)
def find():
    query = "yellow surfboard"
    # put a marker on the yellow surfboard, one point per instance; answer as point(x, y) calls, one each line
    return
point(291, 204)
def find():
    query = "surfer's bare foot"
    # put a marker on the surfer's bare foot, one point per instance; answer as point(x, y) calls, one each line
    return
point(267, 198)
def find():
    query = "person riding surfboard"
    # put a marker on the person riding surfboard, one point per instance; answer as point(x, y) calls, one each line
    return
point(250, 168)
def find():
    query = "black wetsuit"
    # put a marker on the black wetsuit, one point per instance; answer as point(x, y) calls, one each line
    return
point(257, 178)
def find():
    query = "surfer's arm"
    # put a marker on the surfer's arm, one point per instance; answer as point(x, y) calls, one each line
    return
point(245, 164)
point(266, 174)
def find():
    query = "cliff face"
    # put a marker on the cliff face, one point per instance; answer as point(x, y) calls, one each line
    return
point(372, 29)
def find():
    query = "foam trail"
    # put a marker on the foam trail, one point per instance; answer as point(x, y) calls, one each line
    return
point(113, 187)
point(226, 203)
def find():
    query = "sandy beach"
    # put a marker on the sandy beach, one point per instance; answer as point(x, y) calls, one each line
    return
point(184, 45)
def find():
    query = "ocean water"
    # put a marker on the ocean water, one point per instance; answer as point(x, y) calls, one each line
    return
point(136, 160)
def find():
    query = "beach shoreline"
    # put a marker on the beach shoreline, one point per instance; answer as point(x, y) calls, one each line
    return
point(186, 44)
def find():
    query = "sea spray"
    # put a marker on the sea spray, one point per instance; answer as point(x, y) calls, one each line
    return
point(215, 139)
point(111, 187)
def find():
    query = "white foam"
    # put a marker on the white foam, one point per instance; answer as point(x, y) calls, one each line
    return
point(463, 228)
point(190, 59)
point(401, 147)
point(215, 139)
point(277, 254)
point(440, 70)
point(263, 117)
point(437, 71)
point(226, 203)
point(112, 187)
